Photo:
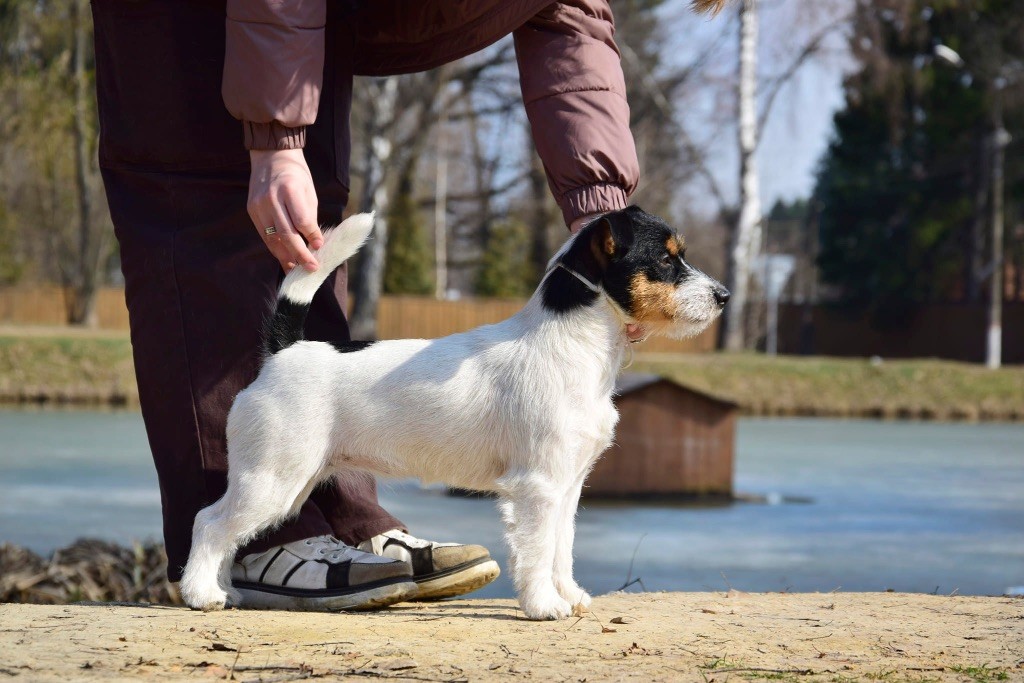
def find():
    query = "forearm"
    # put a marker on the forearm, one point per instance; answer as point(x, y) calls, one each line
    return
point(575, 98)
point(273, 69)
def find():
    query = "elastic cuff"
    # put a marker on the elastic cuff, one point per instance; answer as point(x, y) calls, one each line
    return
point(273, 135)
point(597, 198)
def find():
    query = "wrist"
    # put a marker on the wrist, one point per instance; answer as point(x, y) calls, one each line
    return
point(273, 136)
point(264, 155)
point(578, 222)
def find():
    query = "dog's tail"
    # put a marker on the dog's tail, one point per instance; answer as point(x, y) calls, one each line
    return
point(285, 325)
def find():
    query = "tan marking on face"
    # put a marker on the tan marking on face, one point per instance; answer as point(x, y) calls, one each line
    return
point(675, 245)
point(652, 301)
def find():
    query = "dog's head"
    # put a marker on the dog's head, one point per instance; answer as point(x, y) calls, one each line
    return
point(640, 262)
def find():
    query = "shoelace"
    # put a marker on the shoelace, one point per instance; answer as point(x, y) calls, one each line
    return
point(329, 542)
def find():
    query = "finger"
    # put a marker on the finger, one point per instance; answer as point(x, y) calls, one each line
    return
point(263, 219)
point(292, 240)
point(301, 206)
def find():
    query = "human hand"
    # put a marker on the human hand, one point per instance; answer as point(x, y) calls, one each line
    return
point(281, 195)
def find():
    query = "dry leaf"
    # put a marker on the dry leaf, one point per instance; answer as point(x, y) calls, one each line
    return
point(623, 620)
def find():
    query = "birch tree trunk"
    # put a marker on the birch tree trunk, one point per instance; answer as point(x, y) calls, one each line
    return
point(369, 278)
point(81, 291)
point(746, 242)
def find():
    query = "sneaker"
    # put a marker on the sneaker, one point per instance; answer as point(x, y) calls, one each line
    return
point(320, 574)
point(440, 570)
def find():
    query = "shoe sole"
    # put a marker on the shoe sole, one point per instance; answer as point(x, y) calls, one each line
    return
point(277, 598)
point(457, 580)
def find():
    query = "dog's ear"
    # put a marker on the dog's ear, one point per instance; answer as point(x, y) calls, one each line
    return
point(614, 235)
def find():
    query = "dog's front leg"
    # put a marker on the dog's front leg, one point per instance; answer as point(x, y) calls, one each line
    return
point(531, 504)
point(562, 575)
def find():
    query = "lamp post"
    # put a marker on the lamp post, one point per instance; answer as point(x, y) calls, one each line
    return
point(1000, 139)
point(773, 271)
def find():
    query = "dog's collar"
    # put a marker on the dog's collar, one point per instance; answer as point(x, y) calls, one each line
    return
point(597, 289)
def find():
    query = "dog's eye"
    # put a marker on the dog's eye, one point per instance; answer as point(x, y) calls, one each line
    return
point(666, 259)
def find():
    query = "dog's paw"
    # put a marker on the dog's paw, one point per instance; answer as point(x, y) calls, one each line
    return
point(571, 591)
point(207, 599)
point(579, 597)
point(545, 605)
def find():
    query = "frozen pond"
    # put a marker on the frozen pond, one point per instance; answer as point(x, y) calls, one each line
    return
point(918, 507)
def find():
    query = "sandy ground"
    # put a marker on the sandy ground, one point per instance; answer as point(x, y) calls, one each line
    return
point(649, 636)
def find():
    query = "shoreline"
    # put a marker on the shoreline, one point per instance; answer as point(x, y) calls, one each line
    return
point(118, 398)
point(58, 367)
point(639, 636)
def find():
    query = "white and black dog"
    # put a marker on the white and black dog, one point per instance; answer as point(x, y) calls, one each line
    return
point(522, 408)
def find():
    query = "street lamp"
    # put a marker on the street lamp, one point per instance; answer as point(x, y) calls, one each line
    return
point(773, 271)
point(1000, 139)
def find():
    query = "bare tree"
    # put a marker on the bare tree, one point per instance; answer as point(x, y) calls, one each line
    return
point(746, 241)
point(47, 149)
point(81, 275)
point(382, 95)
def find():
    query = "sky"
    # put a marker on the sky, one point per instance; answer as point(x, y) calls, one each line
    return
point(799, 127)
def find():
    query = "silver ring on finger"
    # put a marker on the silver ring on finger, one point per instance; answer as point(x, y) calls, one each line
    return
point(269, 230)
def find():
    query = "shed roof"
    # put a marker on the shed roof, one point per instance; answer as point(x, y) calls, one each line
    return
point(629, 382)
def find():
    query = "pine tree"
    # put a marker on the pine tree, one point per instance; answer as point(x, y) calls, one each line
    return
point(506, 270)
point(903, 183)
point(407, 261)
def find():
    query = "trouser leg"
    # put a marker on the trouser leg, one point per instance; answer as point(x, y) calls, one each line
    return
point(198, 280)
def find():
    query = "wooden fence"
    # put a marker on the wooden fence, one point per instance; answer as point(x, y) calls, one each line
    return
point(950, 331)
point(398, 317)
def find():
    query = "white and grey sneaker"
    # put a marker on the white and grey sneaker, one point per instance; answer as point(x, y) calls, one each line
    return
point(440, 570)
point(320, 574)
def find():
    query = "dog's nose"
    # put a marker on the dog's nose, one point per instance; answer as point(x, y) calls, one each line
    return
point(721, 296)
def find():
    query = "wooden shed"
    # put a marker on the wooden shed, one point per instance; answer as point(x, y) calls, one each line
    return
point(671, 441)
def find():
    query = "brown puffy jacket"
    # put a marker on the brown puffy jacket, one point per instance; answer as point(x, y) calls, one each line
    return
point(569, 70)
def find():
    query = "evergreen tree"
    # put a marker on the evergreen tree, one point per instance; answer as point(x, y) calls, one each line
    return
point(407, 261)
point(506, 271)
point(903, 185)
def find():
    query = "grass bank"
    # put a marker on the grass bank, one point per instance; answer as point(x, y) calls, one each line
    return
point(66, 367)
point(61, 366)
point(843, 387)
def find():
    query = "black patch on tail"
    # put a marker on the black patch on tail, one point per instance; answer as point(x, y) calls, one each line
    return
point(350, 346)
point(285, 326)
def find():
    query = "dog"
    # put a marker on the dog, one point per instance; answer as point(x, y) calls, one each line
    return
point(522, 408)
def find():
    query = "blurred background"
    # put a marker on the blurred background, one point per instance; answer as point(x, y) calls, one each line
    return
point(852, 169)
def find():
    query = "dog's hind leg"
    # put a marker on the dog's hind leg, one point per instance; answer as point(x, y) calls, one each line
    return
point(566, 532)
point(202, 585)
point(252, 503)
point(530, 506)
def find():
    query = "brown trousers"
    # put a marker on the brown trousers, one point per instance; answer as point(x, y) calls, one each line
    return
point(198, 279)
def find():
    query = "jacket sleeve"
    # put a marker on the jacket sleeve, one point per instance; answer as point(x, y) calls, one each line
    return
point(575, 97)
point(273, 69)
